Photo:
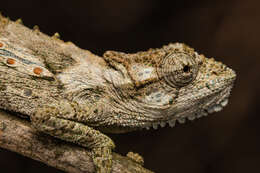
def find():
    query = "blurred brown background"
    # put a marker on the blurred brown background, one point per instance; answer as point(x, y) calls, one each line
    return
point(228, 30)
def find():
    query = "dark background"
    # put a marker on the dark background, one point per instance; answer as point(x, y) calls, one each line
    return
point(228, 30)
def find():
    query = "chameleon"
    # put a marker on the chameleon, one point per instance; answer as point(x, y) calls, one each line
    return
point(77, 96)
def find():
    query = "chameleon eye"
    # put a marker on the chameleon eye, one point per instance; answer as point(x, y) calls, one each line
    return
point(178, 69)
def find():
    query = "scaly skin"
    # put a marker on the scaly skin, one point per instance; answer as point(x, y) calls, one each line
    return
point(75, 95)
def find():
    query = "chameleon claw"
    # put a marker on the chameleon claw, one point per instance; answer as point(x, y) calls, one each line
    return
point(136, 157)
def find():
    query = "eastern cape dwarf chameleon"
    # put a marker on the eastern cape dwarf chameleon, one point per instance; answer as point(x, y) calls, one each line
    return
point(74, 95)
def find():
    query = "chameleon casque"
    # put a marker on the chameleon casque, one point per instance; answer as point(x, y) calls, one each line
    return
point(74, 95)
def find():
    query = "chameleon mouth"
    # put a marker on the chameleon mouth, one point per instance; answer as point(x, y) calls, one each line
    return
point(182, 120)
point(213, 106)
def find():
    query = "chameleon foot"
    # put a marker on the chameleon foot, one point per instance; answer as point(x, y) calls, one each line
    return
point(49, 120)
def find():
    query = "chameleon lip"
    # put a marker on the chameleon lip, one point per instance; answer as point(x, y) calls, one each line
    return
point(224, 103)
point(209, 109)
point(182, 120)
point(218, 107)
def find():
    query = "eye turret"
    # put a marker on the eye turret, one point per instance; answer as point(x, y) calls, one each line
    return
point(178, 69)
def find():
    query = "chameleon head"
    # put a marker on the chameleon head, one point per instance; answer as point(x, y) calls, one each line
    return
point(171, 84)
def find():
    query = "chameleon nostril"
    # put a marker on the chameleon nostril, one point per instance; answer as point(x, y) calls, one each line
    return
point(214, 72)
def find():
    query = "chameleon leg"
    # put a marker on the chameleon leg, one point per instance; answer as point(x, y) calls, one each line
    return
point(52, 120)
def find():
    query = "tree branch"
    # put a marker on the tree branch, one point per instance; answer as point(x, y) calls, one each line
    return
point(18, 136)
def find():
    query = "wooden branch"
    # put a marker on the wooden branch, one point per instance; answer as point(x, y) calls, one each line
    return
point(18, 136)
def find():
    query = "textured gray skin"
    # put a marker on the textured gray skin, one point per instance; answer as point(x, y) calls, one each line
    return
point(75, 95)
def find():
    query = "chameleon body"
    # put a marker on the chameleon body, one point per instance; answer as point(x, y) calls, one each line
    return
point(75, 95)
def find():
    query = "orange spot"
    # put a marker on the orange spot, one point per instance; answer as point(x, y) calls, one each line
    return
point(1, 44)
point(37, 70)
point(10, 61)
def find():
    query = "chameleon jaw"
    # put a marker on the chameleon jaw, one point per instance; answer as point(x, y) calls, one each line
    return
point(182, 120)
point(218, 106)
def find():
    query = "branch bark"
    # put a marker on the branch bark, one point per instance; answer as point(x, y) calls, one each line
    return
point(17, 135)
